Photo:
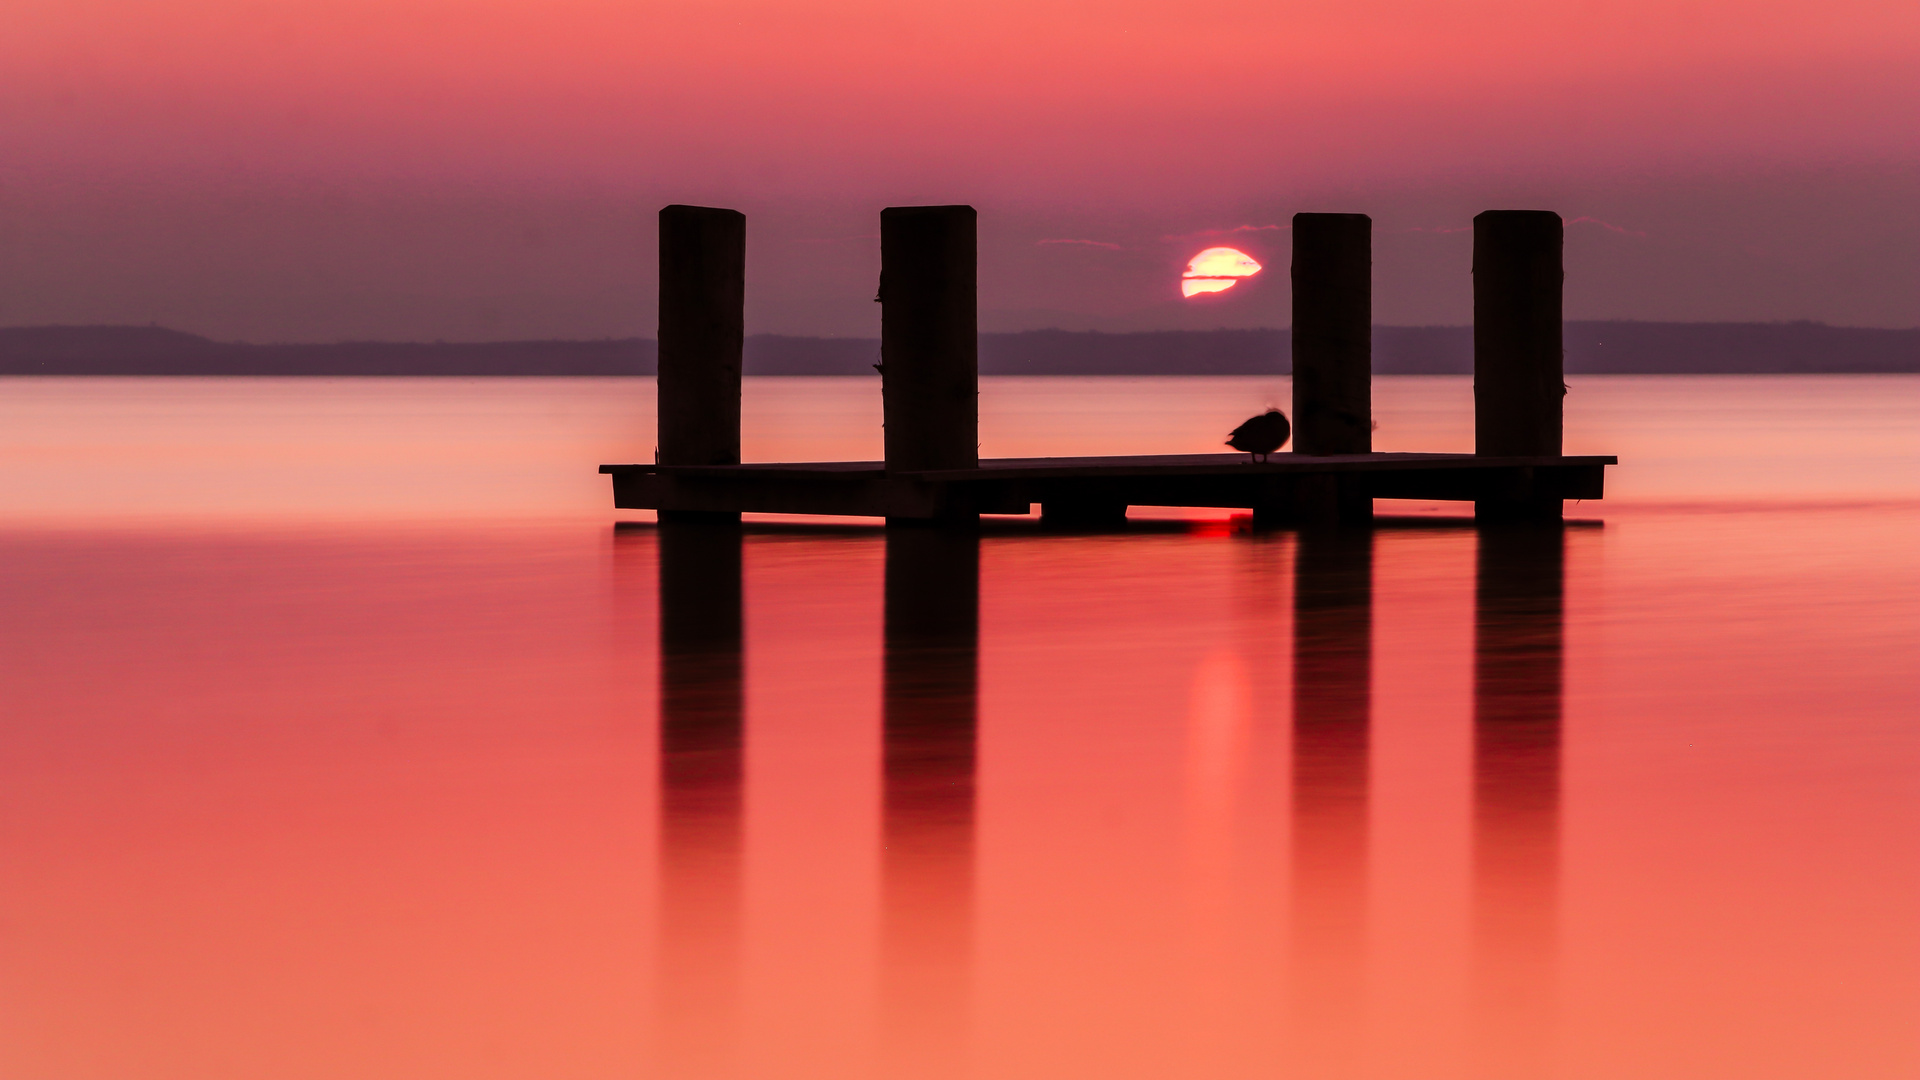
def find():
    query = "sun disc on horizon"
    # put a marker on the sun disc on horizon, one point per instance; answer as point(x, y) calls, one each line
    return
point(1216, 269)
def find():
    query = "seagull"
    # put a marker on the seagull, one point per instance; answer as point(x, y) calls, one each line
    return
point(1261, 435)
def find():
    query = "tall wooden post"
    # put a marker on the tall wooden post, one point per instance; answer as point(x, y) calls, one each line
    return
point(1518, 386)
point(703, 268)
point(1332, 334)
point(929, 337)
point(1518, 382)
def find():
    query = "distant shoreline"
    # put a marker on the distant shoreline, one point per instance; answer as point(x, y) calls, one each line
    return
point(1610, 347)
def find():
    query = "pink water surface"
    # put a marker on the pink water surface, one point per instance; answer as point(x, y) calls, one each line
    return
point(379, 790)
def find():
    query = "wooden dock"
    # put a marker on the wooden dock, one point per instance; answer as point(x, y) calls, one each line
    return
point(1290, 488)
point(932, 471)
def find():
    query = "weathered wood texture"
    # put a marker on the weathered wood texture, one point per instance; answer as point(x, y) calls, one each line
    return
point(1518, 384)
point(929, 340)
point(1332, 333)
point(1293, 488)
point(703, 267)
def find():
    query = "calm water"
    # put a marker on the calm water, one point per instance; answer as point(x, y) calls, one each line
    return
point(343, 735)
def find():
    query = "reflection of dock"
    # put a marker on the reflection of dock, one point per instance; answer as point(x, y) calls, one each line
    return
point(930, 716)
point(929, 678)
point(929, 385)
point(1332, 737)
point(1326, 913)
point(702, 774)
point(1518, 704)
point(1518, 649)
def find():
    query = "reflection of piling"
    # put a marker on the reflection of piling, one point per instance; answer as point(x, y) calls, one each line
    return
point(1332, 712)
point(703, 260)
point(1517, 692)
point(930, 700)
point(1518, 378)
point(1332, 333)
point(702, 713)
point(929, 337)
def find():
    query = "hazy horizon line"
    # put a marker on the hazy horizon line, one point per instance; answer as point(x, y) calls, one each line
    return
point(1280, 328)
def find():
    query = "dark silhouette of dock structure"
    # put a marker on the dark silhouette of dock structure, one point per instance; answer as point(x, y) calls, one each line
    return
point(930, 375)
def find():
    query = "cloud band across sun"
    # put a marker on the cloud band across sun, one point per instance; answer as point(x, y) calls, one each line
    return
point(1215, 270)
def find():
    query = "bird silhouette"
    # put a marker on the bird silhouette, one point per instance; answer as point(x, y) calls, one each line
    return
point(1262, 435)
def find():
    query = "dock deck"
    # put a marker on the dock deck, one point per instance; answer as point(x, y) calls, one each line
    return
point(1288, 487)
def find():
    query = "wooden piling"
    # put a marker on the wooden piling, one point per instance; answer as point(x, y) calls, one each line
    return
point(1518, 380)
point(930, 365)
point(1332, 334)
point(929, 348)
point(703, 266)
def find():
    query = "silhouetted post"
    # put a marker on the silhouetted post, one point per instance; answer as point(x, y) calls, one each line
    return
point(1519, 384)
point(1332, 334)
point(703, 267)
point(702, 719)
point(929, 338)
point(1332, 719)
point(930, 691)
point(1518, 634)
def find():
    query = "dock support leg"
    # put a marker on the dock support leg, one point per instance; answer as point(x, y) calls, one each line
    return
point(1332, 334)
point(929, 338)
point(1519, 385)
point(1061, 514)
point(1314, 500)
point(703, 266)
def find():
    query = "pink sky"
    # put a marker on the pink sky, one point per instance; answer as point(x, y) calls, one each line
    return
point(315, 169)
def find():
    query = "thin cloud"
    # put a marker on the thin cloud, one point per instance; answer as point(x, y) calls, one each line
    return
point(1083, 243)
point(1228, 232)
point(1607, 225)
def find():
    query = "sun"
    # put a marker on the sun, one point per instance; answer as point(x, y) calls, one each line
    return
point(1216, 269)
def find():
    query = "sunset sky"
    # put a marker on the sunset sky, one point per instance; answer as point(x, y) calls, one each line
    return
point(309, 170)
